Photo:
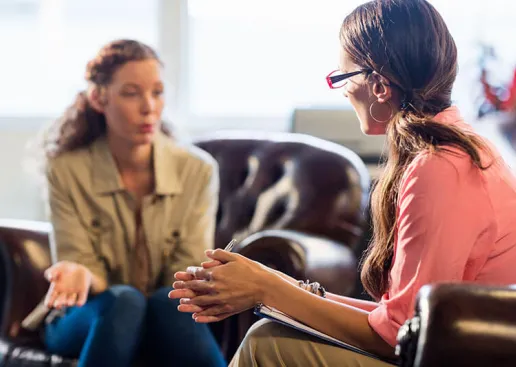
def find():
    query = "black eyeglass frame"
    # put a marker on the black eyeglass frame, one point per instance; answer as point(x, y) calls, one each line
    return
point(331, 80)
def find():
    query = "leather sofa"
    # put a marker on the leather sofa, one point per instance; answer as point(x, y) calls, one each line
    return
point(296, 203)
point(460, 325)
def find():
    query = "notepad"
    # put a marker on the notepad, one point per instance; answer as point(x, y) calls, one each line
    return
point(278, 316)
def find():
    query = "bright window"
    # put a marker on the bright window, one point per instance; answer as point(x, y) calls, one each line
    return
point(46, 43)
point(263, 58)
point(248, 58)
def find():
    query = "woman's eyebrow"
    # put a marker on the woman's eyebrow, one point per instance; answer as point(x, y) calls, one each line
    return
point(130, 85)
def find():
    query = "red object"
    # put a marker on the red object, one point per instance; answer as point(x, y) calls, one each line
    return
point(328, 79)
point(500, 104)
point(336, 76)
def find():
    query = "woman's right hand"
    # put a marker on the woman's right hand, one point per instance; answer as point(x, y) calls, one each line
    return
point(69, 284)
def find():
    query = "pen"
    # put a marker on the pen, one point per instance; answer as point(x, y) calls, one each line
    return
point(230, 245)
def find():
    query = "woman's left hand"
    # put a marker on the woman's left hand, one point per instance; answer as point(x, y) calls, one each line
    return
point(221, 291)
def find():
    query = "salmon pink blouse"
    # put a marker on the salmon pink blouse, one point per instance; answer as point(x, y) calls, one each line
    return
point(455, 223)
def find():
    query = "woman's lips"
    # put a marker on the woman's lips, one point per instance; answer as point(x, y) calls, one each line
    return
point(146, 128)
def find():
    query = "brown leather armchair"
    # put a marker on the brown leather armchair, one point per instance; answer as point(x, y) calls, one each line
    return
point(296, 203)
point(460, 325)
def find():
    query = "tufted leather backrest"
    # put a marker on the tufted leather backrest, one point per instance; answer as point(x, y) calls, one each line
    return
point(288, 181)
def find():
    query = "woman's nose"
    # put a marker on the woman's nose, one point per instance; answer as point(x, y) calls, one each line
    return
point(148, 105)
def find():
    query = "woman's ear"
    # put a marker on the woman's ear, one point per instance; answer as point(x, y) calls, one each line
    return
point(97, 98)
point(381, 88)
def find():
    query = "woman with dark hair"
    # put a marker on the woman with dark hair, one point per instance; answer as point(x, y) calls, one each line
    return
point(129, 206)
point(443, 209)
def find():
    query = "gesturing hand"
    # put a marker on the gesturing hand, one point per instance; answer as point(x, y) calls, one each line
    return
point(69, 284)
point(228, 285)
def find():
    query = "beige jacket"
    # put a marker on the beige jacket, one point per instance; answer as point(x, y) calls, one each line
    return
point(93, 216)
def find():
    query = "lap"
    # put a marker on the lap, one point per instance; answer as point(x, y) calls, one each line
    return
point(172, 335)
point(165, 330)
point(161, 309)
point(269, 343)
point(164, 319)
point(67, 333)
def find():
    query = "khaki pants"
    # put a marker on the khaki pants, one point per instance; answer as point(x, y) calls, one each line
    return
point(269, 343)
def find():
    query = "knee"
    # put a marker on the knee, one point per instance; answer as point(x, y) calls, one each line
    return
point(159, 301)
point(261, 329)
point(161, 308)
point(261, 332)
point(261, 343)
point(120, 298)
point(161, 294)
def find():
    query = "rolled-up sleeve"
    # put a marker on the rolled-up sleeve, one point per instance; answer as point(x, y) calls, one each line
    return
point(443, 234)
point(69, 239)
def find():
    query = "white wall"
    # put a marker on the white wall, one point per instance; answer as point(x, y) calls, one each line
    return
point(20, 193)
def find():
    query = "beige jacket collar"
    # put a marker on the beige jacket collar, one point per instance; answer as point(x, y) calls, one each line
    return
point(107, 180)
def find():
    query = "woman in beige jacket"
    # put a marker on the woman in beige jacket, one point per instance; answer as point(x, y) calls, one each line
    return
point(129, 207)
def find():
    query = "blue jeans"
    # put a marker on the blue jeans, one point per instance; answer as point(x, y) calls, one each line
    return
point(116, 327)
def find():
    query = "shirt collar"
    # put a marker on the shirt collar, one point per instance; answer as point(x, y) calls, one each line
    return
point(107, 180)
point(452, 116)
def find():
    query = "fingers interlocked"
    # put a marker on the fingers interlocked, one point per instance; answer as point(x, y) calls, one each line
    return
point(199, 272)
point(196, 285)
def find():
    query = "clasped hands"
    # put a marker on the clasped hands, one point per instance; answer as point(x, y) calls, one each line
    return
point(225, 285)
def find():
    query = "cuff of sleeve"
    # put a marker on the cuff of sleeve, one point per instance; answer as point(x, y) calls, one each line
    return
point(384, 325)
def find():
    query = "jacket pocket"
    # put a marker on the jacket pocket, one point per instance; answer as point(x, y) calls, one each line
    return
point(171, 243)
point(100, 231)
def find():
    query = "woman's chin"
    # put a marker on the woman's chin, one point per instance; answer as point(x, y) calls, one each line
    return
point(368, 129)
point(144, 138)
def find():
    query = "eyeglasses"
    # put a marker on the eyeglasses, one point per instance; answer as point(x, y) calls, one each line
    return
point(337, 80)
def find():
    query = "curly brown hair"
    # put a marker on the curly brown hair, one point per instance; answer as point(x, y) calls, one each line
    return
point(81, 124)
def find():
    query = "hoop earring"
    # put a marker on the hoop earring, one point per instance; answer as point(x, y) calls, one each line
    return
point(378, 120)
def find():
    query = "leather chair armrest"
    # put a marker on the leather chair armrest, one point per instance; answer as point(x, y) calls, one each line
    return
point(460, 325)
point(304, 256)
point(24, 255)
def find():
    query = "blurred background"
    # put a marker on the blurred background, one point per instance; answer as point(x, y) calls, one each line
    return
point(229, 64)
